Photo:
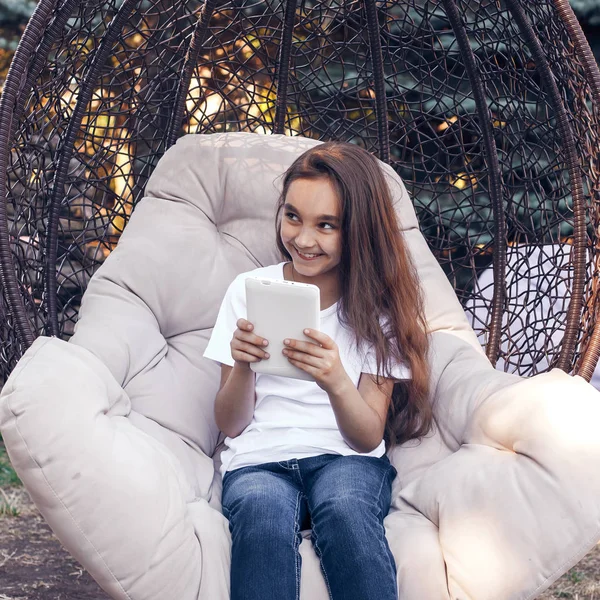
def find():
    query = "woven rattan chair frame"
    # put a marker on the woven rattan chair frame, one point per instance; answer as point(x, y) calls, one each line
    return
point(488, 110)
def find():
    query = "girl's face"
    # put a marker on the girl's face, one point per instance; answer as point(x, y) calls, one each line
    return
point(311, 226)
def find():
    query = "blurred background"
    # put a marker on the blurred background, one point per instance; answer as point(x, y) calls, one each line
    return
point(14, 15)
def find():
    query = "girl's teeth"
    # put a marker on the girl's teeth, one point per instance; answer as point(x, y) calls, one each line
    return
point(307, 255)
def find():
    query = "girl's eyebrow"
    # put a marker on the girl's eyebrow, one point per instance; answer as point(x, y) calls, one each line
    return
point(289, 206)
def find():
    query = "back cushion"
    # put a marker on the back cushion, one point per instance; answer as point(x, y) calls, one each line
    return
point(208, 215)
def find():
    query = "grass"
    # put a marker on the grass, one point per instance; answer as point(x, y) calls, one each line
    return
point(9, 505)
point(8, 477)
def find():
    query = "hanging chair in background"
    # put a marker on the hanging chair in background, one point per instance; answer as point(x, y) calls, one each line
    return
point(487, 111)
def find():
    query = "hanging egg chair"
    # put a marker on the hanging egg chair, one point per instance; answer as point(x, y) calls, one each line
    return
point(140, 142)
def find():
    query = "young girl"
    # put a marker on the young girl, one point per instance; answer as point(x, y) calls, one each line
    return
point(304, 454)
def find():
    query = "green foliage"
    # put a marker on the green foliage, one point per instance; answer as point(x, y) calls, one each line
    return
point(14, 15)
point(575, 576)
point(587, 11)
point(8, 510)
point(8, 477)
point(16, 11)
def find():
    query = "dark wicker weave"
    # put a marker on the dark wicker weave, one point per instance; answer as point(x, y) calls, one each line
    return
point(487, 109)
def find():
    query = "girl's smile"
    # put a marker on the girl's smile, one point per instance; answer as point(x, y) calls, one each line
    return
point(308, 256)
point(311, 227)
point(311, 233)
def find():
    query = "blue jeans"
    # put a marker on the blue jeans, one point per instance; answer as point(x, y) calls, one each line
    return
point(343, 498)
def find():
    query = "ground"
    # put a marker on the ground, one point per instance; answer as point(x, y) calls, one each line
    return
point(34, 566)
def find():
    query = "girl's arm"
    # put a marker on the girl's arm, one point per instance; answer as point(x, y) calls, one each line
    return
point(234, 404)
point(361, 413)
point(235, 401)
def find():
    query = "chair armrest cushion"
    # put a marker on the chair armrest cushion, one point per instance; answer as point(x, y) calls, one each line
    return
point(116, 498)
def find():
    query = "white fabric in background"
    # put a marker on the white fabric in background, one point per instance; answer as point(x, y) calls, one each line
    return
point(535, 300)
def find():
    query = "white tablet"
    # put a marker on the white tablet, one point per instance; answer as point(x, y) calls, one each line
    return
point(281, 309)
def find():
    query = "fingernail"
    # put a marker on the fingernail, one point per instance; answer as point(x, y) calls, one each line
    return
point(307, 331)
point(286, 341)
point(265, 342)
point(266, 355)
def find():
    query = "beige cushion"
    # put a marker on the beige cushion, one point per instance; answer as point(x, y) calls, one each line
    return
point(114, 437)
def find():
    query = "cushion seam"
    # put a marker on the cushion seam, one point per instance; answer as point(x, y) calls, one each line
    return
point(551, 578)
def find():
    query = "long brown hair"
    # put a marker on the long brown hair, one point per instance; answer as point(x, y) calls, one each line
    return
point(377, 278)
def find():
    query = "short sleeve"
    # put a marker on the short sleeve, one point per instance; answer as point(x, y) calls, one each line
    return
point(232, 308)
point(398, 370)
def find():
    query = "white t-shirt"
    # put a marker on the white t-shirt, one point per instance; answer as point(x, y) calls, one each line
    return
point(292, 418)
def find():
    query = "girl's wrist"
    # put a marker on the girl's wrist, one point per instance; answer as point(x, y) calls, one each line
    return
point(341, 386)
point(242, 367)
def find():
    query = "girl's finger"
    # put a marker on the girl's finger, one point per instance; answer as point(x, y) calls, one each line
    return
point(245, 357)
point(251, 349)
point(321, 337)
point(243, 324)
point(305, 367)
point(307, 347)
point(250, 338)
point(302, 357)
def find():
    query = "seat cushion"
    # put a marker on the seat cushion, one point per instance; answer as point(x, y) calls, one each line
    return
point(113, 432)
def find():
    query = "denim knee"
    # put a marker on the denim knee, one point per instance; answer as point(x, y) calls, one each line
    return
point(354, 485)
point(258, 502)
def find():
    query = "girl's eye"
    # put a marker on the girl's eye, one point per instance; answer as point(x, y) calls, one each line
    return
point(292, 216)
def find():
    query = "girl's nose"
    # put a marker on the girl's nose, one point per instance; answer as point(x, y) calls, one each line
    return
point(304, 239)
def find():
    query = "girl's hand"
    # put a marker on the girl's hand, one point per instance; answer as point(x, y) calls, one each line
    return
point(247, 347)
point(322, 360)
